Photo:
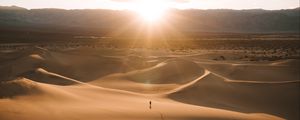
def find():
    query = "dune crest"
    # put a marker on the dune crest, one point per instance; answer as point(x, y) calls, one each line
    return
point(246, 96)
point(160, 78)
point(21, 86)
point(83, 84)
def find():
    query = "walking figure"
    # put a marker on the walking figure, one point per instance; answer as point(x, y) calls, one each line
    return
point(150, 104)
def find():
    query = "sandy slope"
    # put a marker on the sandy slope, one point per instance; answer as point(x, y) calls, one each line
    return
point(163, 77)
point(84, 84)
point(280, 99)
point(88, 102)
point(276, 94)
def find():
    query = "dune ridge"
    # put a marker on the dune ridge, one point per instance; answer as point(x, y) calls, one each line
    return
point(17, 87)
point(60, 83)
point(246, 96)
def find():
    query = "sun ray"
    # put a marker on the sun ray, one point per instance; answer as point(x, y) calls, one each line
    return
point(150, 11)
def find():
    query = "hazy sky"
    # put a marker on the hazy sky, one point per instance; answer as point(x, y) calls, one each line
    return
point(182, 4)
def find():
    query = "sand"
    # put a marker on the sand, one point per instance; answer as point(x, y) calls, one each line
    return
point(115, 84)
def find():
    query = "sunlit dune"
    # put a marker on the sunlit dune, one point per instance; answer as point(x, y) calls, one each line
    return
point(119, 87)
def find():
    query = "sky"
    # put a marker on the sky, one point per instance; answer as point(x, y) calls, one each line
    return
point(180, 4)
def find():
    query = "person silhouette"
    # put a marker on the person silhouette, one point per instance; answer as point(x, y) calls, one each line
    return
point(150, 104)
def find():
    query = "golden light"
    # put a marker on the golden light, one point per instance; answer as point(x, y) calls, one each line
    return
point(150, 10)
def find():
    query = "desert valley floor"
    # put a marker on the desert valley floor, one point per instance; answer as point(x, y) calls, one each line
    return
point(115, 84)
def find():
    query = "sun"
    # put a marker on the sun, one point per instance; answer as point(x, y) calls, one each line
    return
point(150, 10)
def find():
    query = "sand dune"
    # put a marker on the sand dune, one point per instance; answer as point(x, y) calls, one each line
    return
point(177, 71)
point(278, 98)
point(89, 102)
point(17, 67)
point(43, 76)
point(163, 77)
point(256, 72)
point(84, 84)
point(80, 67)
point(17, 87)
point(229, 86)
point(290, 62)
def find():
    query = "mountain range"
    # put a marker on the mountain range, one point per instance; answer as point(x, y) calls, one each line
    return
point(191, 21)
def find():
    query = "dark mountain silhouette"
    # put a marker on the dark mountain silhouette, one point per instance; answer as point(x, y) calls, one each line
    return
point(106, 22)
point(11, 8)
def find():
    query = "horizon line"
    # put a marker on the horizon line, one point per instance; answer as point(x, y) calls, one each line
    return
point(172, 8)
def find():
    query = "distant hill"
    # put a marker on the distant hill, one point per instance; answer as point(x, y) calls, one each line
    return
point(11, 8)
point(96, 21)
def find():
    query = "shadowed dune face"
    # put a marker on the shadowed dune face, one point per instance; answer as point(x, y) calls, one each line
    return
point(163, 77)
point(17, 87)
point(80, 67)
point(174, 71)
point(256, 72)
point(213, 91)
point(12, 70)
point(43, 76)
point(113, 84)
